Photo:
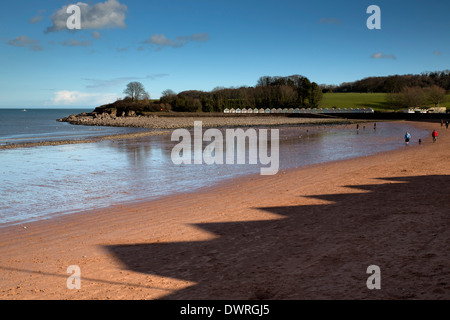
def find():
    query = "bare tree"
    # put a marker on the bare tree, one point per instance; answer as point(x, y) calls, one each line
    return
point(169, 97)
point(135, 90)
point(168, 93)
point(435, 95)
point(394, 100)
point(413, 97)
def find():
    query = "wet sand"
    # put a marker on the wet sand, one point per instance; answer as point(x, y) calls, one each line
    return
point(161, 125)
point(91, 140)
point(73, 178)
point(306, 233)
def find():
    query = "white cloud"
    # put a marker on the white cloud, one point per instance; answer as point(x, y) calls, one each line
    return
point(110, 14)
point(24, 41)
point(76, 43)
point(202, 37)
point(380, 55)
point(77, 98)
point(38, 18)
point(330, 21)
point(161, 41)
point(100, 83)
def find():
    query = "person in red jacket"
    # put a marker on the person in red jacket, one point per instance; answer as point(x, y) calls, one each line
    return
point(434, 135)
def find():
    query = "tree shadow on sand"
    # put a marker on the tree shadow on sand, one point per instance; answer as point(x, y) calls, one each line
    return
point(318, 251)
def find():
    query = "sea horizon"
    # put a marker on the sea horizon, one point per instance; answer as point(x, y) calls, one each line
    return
point(37, 125)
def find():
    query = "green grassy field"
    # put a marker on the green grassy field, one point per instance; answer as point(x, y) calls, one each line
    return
point(376, 101)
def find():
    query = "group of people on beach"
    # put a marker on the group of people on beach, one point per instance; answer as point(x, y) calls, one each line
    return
point(374, 126)
point(434, 135)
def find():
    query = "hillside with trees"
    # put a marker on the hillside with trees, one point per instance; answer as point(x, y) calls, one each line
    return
point(274, 92)
point(295, 91)
point(394, 83)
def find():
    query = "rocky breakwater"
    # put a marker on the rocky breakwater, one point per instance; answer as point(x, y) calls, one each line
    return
point(111, 119)
point(130, 119)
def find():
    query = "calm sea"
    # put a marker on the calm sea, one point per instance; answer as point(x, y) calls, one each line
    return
point(33, 125)
point(46, 181)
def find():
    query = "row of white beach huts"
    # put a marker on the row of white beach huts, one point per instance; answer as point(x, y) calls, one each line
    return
point(299, 110)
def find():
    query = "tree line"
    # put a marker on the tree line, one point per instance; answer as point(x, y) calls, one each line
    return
point(295, 91)
point(416, 97)
point(269, 92)
point(394, 84)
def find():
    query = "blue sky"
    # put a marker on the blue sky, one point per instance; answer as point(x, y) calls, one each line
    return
point(202, 44)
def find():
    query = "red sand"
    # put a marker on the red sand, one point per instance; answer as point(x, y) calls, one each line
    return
point(307, 233)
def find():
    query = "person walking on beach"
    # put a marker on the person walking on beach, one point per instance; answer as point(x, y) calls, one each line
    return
point(407, 137)
point(434, 135)
point(375, 126)
point(446, 124)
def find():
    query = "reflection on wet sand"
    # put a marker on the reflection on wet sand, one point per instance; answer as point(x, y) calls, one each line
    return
point(43, 181)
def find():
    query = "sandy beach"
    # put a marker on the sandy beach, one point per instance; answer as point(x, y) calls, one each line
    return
point(307, 233)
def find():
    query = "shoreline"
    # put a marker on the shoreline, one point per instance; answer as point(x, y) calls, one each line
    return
point(147, 249)
point(139, 196)
point(163, 125)
point(91, 140)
